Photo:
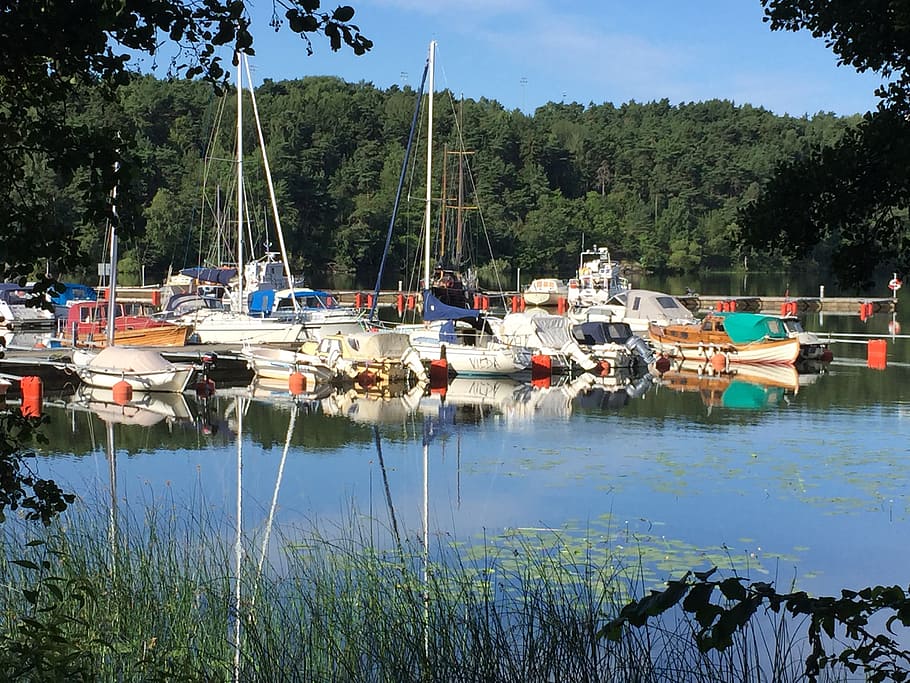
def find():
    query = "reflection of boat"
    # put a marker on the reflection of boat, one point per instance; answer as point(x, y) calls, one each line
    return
point(144, 408)
point(373, 408)
point(744, 387)
point(276, 391)
point(728, 338)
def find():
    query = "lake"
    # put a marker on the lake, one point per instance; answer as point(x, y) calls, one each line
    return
point(802, 483)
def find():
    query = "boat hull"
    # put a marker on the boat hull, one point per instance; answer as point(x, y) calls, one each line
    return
point(782, 351)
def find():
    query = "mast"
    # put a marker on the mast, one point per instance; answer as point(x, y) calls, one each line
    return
point(431, 62)
point(112, 279)
point(240, 295)
point(271, 186)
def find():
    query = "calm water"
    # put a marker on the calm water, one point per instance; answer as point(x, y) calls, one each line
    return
point(805, 481)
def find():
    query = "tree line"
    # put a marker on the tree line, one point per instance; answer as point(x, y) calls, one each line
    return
point(662, 185)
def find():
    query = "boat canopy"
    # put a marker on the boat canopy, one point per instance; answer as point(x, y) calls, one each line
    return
point(745, 328)
point(597, 333)
point(218, 276)
point(434, 309)
point(375, 345)
point(650, 305)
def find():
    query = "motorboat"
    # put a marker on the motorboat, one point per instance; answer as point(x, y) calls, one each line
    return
point(728, 338)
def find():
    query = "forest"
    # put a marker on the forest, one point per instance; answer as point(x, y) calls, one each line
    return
point(662, 185)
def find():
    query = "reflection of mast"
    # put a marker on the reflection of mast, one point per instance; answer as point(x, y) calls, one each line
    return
point(112, 473)
point(272, 508)
point(238, 548)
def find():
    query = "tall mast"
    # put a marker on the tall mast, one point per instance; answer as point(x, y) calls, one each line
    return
point(431, 62)
point(112, 279)
point(240, 295)
point(271, 186)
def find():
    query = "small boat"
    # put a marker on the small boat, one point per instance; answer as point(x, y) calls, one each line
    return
point(383, 360)
point(86, 323)
point(17, 310)
point(615, 343)
point(275, 363)
point(640, 308)
point(549, 335)
point(317, 310)
point(598, 280)
point(811, 346)
point(546, 291)
point(142, 369)
point(728, 338)
point(467, 349)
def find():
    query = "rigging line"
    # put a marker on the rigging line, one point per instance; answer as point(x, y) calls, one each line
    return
point(385, 482)
point(404, 165)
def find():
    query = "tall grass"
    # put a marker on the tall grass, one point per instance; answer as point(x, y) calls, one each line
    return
point(153, 599)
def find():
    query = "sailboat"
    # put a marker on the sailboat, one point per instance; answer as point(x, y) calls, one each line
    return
point(237, 323)
point(451, 329)
point(144, 369)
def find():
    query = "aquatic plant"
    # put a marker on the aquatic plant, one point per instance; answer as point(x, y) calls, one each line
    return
point(120, 598)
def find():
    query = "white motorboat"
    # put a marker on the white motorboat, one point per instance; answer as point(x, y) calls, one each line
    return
point(143, 369)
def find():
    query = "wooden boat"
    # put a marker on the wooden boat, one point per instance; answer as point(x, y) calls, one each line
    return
point(87, 322)
point(728, 338)
point(142, 369)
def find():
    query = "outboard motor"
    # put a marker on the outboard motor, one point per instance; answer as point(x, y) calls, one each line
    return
point(639, 347)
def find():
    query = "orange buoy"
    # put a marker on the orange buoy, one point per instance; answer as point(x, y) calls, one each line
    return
point(297, 383)
point(32, 396)
point(122, 392)
point(439, 373)
point(541, 366)
point(410, 302)
point(514, 303)
point(719, 361)
point(604, 368)
point(399, 301)
point(358, 300)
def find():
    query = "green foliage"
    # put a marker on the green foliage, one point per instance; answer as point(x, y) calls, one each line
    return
point(838, 622)
point(52, 53)
point(846, 199)
point(20, 488)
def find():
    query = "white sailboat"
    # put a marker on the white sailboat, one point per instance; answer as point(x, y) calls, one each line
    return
point(469, 349)
point(236, 324)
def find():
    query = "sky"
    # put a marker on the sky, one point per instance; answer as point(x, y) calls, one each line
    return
point(525, 53)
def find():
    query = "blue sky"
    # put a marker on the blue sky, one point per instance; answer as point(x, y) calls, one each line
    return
point(525, 53)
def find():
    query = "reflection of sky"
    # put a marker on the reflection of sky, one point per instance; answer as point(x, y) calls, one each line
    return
point(801, 491)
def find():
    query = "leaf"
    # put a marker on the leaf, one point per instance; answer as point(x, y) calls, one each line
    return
point(343, 14)
point(28, 564)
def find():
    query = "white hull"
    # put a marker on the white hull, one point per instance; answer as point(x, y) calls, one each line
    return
point(491, 361)
point(225, 327)
point(280, 364)
point(142, 369)
point(783, 352)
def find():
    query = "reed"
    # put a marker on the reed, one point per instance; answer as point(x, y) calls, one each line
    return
point(154, 598)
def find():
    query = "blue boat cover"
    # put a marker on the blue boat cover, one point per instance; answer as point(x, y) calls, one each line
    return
point(219, 276)
point(434, 309)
